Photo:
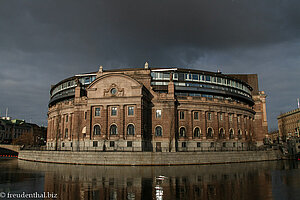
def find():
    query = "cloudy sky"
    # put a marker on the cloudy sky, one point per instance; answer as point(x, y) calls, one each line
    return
point(45, 41)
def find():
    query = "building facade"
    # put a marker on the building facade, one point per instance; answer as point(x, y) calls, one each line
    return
point(289, 124)
point(12, 129)
point(157, 109)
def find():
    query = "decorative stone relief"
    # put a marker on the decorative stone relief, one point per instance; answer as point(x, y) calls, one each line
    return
point(113, 90)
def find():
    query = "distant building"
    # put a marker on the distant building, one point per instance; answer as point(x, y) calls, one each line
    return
point(157, 109)
point(289, 124)
point(12, 129)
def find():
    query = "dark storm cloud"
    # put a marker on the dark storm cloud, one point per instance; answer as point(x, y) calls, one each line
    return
point(42, 42)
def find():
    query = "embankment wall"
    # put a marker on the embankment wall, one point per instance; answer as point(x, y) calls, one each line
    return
point(148, 158)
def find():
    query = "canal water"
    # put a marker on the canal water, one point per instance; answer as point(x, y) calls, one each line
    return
point(259, 180)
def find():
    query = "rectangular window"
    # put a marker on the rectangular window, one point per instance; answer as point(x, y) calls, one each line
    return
point(95, 143)
point(63, 144)
point(85, 115)
point(97, 111)
point(71, 144)
point(129, 143)
point(212, 144)
point(188, 76)
point(158, 114)
point(114, 111)
point(196, 115)
point(209, 116)
point(198, 144)
point(66, 132)
point(221, 116)
point(230, 117)
point(130, 110)
point(195, 77)
point(181, 114)
point(233, 144)
point(175, 76)
point(112, 143)
point(207, 78)
point(67, 118)
point(183, 144)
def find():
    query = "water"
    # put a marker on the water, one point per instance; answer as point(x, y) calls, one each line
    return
point(259, 180)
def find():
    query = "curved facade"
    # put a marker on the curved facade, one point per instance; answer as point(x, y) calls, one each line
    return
point(158, 109)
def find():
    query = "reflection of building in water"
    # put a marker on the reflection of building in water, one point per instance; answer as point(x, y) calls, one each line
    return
point(235, 181)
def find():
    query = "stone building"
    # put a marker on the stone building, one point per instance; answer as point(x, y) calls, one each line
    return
point(157, 109)
point(12, 129)
point(289, 124)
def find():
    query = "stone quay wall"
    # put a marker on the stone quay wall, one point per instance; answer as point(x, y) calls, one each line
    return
point(147, 158)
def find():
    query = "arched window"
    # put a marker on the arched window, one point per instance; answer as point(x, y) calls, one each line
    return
point(239, 134)
point(97, 130)
point(130, 129)
point(231, 134)
point(209, 133)
point(113, 129)
point(182, 132)
point(197, 132)
point(221, 133)
point(158, 131)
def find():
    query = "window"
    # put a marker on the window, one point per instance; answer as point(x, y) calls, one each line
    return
point(113, 91)
point(231, 134)
point(114, 111)
point(197, 132)
point(195, 77)
point(130, 129)
point(158, 131)
point(113, 129)
point(158, 114)
point(85, 115)
point(66, 132)
point(221, 133)
point(221, 116)
point(238, 118)
point(130, 110)
point(95, 143)
point(198, 144)
point(112, 143)
point(212, 144)
point(183, 144)
point(181, 114)
point(63, 144)
point(207, 78)
point(209, 116)
point(209, 133)
point(196, 115)
point(230, 117)
point(233, 144)
point(67, 118)
point(97, 111)
point(239, 134)
point(182, 132)
point(129, 143)
point(97, 130)
point(71, 144)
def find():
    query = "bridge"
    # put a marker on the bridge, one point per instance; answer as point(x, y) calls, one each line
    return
point(15, 148)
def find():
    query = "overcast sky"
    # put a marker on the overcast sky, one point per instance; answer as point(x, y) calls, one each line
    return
point(45, 41)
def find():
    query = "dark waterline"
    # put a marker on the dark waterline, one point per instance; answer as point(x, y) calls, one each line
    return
point(259, 180)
